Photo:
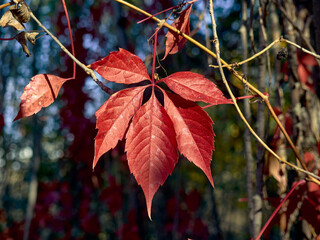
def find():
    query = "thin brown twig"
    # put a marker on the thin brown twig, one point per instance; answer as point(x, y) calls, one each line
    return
point(6, 5)
point(88, 70)
point(286, 15)
point(10, 3)
point(252, 3)
point(317, 56)
point(279, 40)
point(252, 57)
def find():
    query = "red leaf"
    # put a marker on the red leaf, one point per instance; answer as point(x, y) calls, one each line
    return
point(307, 59)
point(113, 119)
point(303, 73)
point(121, 67)
point(193, 127)
point(195, 87)
point(151, 148)
point(175, 41)
point(305, 64)
point(40, 92)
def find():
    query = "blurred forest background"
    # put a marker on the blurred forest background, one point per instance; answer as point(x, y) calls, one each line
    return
point(47, 187)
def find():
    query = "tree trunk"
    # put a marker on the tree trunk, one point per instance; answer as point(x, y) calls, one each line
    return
point(33, 187)
point(247, 114)
point(261, 121)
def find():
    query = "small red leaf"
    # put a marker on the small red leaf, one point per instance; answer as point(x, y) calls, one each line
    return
point(195, 87)
point(193, 127)
point(175, 41)
point(121, 67)
point(307, 59)
point(303, 73)
point(40, 92)
point(113, 118)
point(151, 148)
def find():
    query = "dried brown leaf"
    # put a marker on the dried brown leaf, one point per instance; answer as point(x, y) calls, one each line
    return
point(8, 20)
point(23, 37)
point(31, 36)
point(278, 171)
point(21, 12)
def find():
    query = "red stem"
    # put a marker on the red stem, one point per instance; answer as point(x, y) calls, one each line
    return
point(154, 55)
point(278, 208)
point(6, 39)
point(238, 98)
point(71, 39)
point(145, 19)
point(266, 198)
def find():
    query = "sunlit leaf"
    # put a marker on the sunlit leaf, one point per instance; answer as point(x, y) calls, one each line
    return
point(121, 67)
point(193, 127)
point(40, 92)
point(151, 148)
point(113, 119)
point(195, 87)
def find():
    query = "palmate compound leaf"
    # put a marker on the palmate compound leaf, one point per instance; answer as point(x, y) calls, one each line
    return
point(40, 92)
point(194, 133)
point(113, 118)
point(175, 42)
point(151, 148)
point(121, 67)
point(195, 87)
point(155, 131)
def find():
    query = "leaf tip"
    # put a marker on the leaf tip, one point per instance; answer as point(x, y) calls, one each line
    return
point(17, 117)
point(94, 163)
point(148, 202)
point(211, 181)
point(209, 176)
point(149, 210)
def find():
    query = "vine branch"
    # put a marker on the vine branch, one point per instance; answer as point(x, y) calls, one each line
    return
point(278, 208)
point(265, 98)
point(286, 15)
point(216, 41)
point(10, 3)
point(71, 39)
point(280, 40)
